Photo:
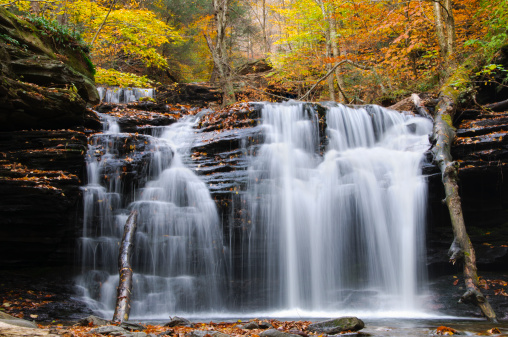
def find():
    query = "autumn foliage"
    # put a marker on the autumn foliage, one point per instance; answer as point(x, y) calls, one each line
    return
point(393, 45)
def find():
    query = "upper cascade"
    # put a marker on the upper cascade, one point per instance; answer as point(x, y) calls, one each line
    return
point(124, 95)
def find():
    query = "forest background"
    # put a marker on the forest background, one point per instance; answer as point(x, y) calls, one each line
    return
point(375, 51)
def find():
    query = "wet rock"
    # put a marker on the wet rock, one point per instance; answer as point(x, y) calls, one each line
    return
point(132, 326)
point(337, 325)
point(250, 326)
point(265, 325)
point(40, 176)
point(134, 120)
point(44, 91)
point(93, 320)
point(110, 330)
point(276, 333)
point(178, 321)
point(203, 333)
point(188, 93)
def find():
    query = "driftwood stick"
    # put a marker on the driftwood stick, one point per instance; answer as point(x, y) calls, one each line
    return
point(420, 107)
point(123, 298)
point(461, 248)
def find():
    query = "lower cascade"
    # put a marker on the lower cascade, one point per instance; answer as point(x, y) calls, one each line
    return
point(333, 222)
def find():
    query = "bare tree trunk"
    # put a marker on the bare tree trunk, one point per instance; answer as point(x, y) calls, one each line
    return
point(450, 28)
point(123, 299)
point(440, 32)
point(266, 45)
point(445, 27)
point(35, 7)
point(328, 55)
point(219, 51)
point(461, 248)
point(336, 53)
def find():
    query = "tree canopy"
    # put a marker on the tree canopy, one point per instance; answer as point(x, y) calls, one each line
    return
point(393, 47)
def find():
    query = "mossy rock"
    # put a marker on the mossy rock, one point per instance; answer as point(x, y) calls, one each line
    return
point(62, 65)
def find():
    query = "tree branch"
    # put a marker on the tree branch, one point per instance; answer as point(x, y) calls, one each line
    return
point(329, 73)
point(103, 22)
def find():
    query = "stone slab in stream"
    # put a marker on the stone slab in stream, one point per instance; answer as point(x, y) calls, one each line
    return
point(337, 325)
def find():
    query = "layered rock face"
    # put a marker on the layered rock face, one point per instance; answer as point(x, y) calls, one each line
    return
point(44, 91)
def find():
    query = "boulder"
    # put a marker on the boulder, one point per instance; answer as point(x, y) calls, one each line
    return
point(132, 326)
point(337, 325)
point(11, 320)
point(265, 325)
point(178, 321)
point(9, 330)
point(109, 330)
point(250, 326)
point(93, 320)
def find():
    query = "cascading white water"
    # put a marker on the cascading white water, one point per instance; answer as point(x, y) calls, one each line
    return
point(176, 260)
point(123, 95)
point(322, 234)
point(344, 231)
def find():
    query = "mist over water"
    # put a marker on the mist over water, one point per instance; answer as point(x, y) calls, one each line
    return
point(338, 231)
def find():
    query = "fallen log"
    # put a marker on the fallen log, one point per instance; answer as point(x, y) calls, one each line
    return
point(461, 248)
point(122, 308)
point(498, 106)
point(420, 107)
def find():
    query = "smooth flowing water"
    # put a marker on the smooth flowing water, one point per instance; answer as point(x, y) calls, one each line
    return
point(178, 242)
point(124, 95)
point(341, 231)
point(331, 232)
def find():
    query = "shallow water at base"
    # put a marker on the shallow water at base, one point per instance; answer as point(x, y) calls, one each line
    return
point(378, 326)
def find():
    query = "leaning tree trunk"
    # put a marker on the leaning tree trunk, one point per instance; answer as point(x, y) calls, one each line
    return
point(461, 248)
point(123, 299)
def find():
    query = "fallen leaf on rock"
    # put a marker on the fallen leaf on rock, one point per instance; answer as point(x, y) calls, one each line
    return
point(445, 331)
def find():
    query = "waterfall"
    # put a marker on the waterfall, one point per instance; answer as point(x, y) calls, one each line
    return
point(123, 95)
point(176, 261)
point(342, 232)
point(332, 223)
